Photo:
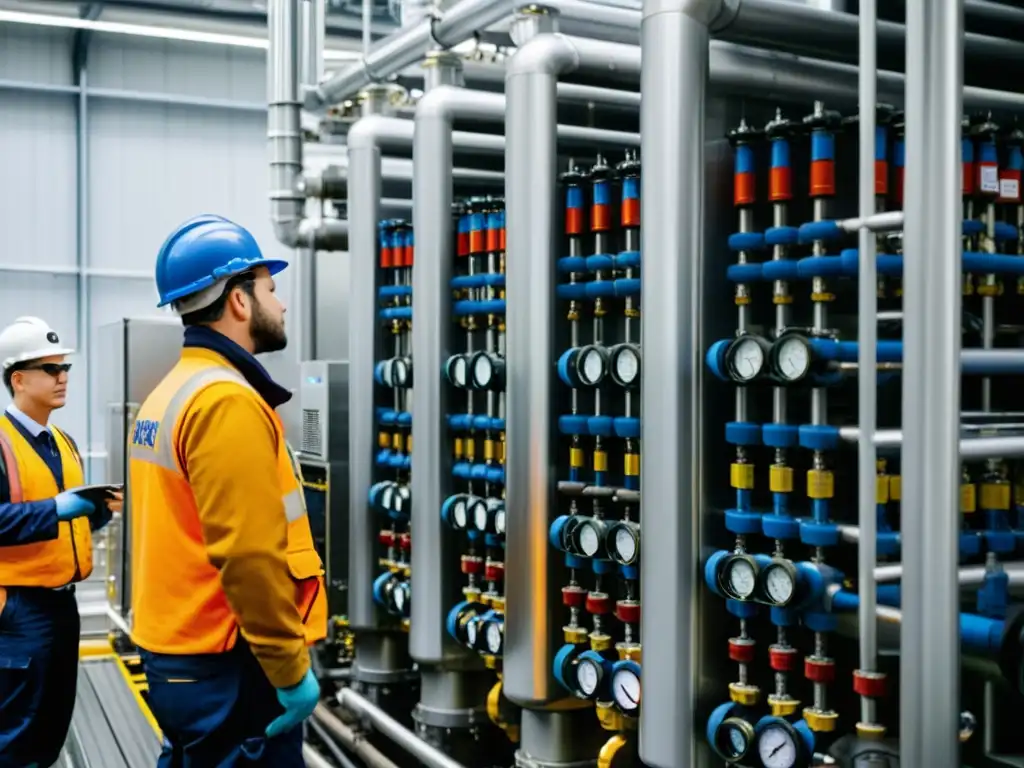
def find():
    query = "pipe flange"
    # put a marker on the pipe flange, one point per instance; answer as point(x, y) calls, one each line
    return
point(431, 717)
point(382, 676)
point(525, 761)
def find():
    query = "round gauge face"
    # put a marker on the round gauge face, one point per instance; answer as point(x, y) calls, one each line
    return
point(625, 545)
point(458, 371)
point(589, 540)
point(399, 597)
point(459, 513)
point(493, 637)
point(793, 358)
point(499, 521)
point(588, 675)
point(741, 578)
point(747, 359)
point(386, 496)
point(483, 371)
point(776, 747)
point(735, 741)
point(591, 367)
point(626, 690)
point(471, 632)
point(778, 583)
point(627, 365)
point(480, 515)
point(399, 372)
point(387, 373)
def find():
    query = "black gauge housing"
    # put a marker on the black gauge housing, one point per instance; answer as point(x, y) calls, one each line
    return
point(615, 355)
point(732, 364)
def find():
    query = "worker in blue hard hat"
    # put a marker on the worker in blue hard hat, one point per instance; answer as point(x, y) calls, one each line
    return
point(45, 547)
point(227, 587)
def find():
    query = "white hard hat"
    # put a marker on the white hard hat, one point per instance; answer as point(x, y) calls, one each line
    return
point(29, 338)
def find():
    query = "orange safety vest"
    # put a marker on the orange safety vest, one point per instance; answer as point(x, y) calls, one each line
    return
point(63, 560)
point(178, 604)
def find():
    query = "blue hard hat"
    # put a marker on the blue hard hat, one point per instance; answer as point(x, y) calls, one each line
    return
point(204, 250)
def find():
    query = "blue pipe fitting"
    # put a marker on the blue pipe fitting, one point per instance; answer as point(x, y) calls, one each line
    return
point(743, 522)
point(994, 595)
point(723, 741)
point(743, 433)
point(379, 585)
point(715, 359)
point(819, 532)
point(998, 535)
point(565, 664)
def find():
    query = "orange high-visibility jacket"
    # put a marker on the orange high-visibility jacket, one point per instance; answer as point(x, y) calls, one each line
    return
point(66, 559)
point(221, 541)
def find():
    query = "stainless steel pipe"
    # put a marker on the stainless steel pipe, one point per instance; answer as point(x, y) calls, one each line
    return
point(930, 642)
point(970, 448)
point(314, 759)
point(390, 728)
point(532, 628)
point(354, 742)
point(675, 38)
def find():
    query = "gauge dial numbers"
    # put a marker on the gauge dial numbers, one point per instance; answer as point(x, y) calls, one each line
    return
point(734, 739)
point(625, 684)
point(624, 364)
point(791, 358)
point(746, 359)
point(623, 542)
point(779, 745)
point(779, 582)
point(738, 577)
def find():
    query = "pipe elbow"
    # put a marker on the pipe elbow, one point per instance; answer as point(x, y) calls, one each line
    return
point(287, 232)
point(436, 104)
point(368, 131)
point(714, 14)
point(546, 54)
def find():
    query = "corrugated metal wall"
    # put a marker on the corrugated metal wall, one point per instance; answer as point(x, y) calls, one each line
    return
point(171, 130)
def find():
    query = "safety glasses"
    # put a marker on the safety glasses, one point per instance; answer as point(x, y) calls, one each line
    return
point(54, 369)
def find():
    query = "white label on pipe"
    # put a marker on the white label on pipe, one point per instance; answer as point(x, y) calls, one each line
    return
point(989, 178)
point(1009, 189)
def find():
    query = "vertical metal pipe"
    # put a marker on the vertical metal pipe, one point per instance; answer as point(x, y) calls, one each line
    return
point(367, 26)
point(83, 301)
point(867, 308)
point(930, 671)
point(674, 37)
point(312, 23)
point(364, 183)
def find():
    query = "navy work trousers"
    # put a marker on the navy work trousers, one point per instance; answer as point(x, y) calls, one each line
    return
point(213, 710)
point(38, 674)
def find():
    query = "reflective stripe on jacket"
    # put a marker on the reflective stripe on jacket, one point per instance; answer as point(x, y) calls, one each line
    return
point(182, 602)
point(66, 559)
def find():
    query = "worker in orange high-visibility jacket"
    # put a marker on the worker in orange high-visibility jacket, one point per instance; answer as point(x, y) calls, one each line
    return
point(227, 587)
point(45, 548)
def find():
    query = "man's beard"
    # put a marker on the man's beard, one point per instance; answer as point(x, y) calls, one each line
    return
point(266, 336)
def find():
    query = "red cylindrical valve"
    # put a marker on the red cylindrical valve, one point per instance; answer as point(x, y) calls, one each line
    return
point(404, 541)
point(782, 658)
point(818, 669)
point(492, 239)
point(628, 611)
point(472, 564)
point(881, 178)
point(869, 684)
point(573, 596)
point(501, 239)
point(387, 538)
point(598, 603)
point(741, 649)
point(494, 571)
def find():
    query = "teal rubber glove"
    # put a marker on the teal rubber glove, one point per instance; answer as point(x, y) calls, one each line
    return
point(71, 505)
point(299, 701)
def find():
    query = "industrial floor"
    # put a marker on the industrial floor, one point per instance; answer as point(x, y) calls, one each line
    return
point(111, 728)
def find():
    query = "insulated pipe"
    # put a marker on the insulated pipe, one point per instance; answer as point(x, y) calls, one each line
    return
point(530, 204)
point(383, 723)
point(675, 39)
point(366, 140)
point(867, 358)
point(930, 642)
point(354, 742)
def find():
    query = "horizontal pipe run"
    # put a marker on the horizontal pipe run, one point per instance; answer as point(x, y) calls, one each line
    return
point(574, 93)
point(354, 742)
point(971, 448)
point(977, 633)
point(314, 759)
point(387, 726)
point(976, 362)
point(969, 576)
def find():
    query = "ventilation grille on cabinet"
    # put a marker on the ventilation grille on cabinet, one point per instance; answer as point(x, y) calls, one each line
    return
point(312, 435)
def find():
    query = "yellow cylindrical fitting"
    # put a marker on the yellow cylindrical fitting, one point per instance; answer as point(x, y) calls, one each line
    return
point(820, 722)
point(576, 458)
point(780, 478)
point(820, 484)
point(741, 476)
point(600, 461)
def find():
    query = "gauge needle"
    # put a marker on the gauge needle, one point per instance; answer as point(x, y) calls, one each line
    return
point(626, 694)
point(774, 751)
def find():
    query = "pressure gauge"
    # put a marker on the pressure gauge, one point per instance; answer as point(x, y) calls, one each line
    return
point(460, 512)
point(401, 372)
point(455, 370)
point(779, 745)
point(791, 358)
point(482, 512)
point(733, 739)
point(387, 372)
point(738, 577)
point(472, 631)
point(486, 371)
point(592, 365)
point(387, 496)
point(494, 637)
point(400, 499)
point(499, 520)
point(779, 580)
point(588, 536)
point(400, 597)
point(589, 673)
point(746, 359)
point(624, 362)
point(623, 542)
point(626, 686)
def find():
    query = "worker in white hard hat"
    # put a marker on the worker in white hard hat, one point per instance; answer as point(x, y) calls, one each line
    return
point(45, 548)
